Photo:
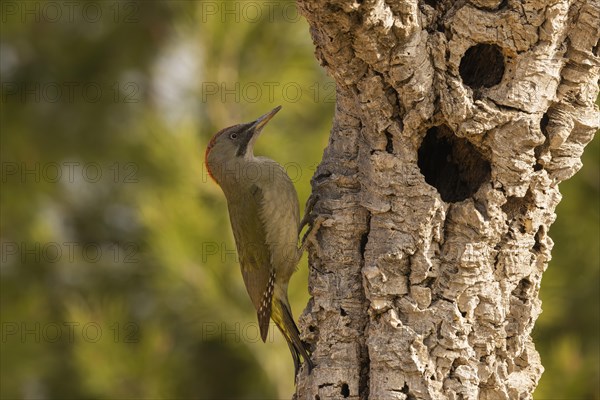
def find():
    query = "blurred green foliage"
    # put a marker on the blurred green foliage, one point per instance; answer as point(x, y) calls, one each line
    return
point(118, 276)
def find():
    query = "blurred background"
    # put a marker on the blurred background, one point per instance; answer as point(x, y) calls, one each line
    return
point(119, 277)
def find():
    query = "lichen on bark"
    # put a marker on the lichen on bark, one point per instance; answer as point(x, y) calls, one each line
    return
point(455, 122)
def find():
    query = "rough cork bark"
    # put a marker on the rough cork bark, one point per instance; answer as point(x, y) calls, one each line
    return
point(455, 122)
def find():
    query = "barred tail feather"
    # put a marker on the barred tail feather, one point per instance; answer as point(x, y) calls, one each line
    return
point(295, 357)
point(282, 316)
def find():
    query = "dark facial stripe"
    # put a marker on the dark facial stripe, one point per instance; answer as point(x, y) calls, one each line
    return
point(245, 137)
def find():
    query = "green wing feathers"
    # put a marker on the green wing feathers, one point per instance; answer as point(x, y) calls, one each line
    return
point(254, 254)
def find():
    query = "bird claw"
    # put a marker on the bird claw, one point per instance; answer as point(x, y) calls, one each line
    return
point(308, 213)
point(311, 237)
point(314, 222)
point(311, 234)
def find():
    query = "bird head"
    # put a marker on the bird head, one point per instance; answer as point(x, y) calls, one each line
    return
point(237, 141)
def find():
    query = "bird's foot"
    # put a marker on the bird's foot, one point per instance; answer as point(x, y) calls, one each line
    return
point(308, 212)
point(311, 234)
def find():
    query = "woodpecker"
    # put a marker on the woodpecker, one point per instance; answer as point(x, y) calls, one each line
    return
point(264, 215)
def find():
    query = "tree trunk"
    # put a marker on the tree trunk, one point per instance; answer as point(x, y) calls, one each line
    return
point(455, 122)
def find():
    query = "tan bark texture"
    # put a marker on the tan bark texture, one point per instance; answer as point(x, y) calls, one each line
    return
point(455, 122)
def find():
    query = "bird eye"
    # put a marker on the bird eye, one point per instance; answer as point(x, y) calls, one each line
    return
point(233, 136)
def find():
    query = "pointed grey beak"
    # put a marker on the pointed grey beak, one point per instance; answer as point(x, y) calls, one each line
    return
point(251, 133)
point(262, 121)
